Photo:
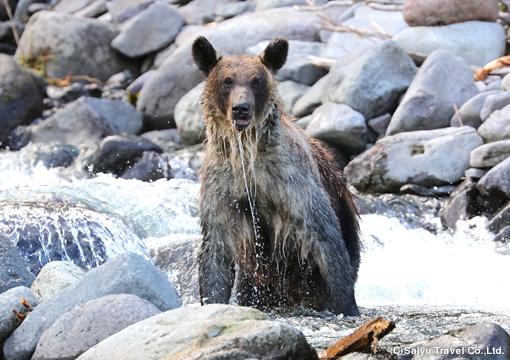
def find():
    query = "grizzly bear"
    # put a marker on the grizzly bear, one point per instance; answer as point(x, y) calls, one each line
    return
point(279, 226)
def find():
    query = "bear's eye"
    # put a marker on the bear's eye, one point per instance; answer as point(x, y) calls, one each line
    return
point(227, 82)
point(255, 82)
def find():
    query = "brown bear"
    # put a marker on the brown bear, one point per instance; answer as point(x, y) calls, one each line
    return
point(279, 226)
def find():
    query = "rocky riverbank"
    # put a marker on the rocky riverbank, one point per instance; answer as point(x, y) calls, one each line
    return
point(93, 87)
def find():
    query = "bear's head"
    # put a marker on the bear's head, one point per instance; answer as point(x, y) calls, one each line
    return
point(240, 87)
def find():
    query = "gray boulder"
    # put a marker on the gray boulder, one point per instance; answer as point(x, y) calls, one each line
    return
point(497, 126)
point(496, 183)
point(20, 98)
point(87, 325)
point(55, 277)
point(168, 139)
point(496, 101)
point(373, 83)
point(489, 155)
point(230, 10)
point(189, 117)
point(500, 220)
point(10, 299)
point(311, 99)
point(478, 42)
point(291, 91)
point(177, 256)
point(121, 10)
point(125, 274)
point(417, 157)
point(87, 121)
point(461, 204)
point(150, 167)
point(75, 45)
point(178, 75)
point(207, 332)
point(200, 11)
point(470, 112)
point(153, 29)
point(71, 6)
point(442, 81)
point(13, 271)
point(340, 125)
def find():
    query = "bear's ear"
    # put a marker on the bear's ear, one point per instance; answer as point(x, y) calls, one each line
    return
point(275, 54)
point(204, 55)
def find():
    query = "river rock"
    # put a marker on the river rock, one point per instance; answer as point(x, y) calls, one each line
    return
point(121, 10)
point(189, 116)
point(505, 83)
point(290, 92)
point(497, 126)
point(461, 204)
point(298, 66)
point(149, 167)
point(207, 332)
point(230, 10)
point(269, 4)
point(87, 325)
point(87, 121)
point(54, 154)
point(167, 139)
point(496, 101)
point(198, 11)
point(379, 124)
point(71, 6)
point(94, 10)
point(470, 112)
point(311, 99)
point(10, 299)
point(125, 274)
point(177, 256)
point(340, 125)
point(13, 271)
point(151, 30)
point(416, 157)
point(478, 42)
point(442, 81)
point(478, 338)
point(489, 155)
point(178, 75)
point(441, 12)
point(495, 185)
point(76, 45)
point(21, 100)
point(500, 220)
point(372, 82)
point(55, 277)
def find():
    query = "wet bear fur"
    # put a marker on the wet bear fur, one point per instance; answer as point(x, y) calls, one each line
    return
point(279, 226)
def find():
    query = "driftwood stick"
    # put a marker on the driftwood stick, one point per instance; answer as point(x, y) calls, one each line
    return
point(493, 65)
point(329, 25)
point(366, 335)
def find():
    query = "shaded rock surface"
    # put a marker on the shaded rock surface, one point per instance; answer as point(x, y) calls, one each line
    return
point(86, 325)
point(55, 277)
point(471, 111)
point(311, 99)
point(496, 183)
point(189, 117)
point(207, 332)
point(121, 10)
point(497, 126)
point(10, 299)
point(442, 81)
point(495, 101)
point(489, 155)
point(13, 271)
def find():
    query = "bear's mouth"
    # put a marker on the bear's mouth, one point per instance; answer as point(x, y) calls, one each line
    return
point(241, 124)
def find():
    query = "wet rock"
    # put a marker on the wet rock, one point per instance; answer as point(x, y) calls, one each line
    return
point(17, 139)
point(461, 205)
point(440, 12)
point(339, 124)
point(496, 127)
point(121, 10)
point(116, 153)
point(475, 173)
point(503, 236)
point(168, 139)
point(55, 155)
point(125, 274)
point(414, 158)
point(374, 82)
point(489, 155)
point(197, 11)
point(178, 75)
point(470, 112)
point(10, 299)
point(55, 277)
point(76, 45)
point(177, 256)
point(87, 121)
point(478, 42)
point(13, 271)
point(311, 99)
point(436, 191)
point(20, 98)
point(211, 331)
point(86, 325)
point(148, 31)
point(443, 80)
point(149, 167)
point(290, 92)
point(189, 116)
point(500, 220)
point(495, 101)
point(495, 185)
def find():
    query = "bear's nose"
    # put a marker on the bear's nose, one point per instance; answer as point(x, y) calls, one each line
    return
point(241, 111)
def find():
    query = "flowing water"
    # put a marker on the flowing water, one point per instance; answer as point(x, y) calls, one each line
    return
point(427, 283)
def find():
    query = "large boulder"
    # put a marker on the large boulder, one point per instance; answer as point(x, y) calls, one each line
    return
point(189, 117)
point(311, 99)
point(151, 30)
point(178, 74)
point(87, 325)
point(55, 277)
point(491, 154)
point(497, 126)
point(87, 121)
point(444, 12)
point(372, 82)
point(478, 42)
point(208, 332)
point(13, 271)
point(10, 299)
point(427, 158)
point(73, 45)
point(20, 98)
point(444, 80)
point(125, 274)
point(122, 10)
